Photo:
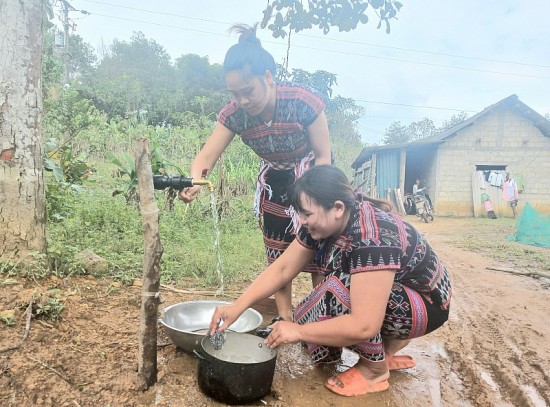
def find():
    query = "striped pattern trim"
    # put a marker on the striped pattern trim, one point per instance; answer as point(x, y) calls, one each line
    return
point(419, 315)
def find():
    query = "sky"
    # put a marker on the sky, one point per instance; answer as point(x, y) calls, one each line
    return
point(441, 57)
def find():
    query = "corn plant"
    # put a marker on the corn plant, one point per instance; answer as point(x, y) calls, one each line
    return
point(126, 165)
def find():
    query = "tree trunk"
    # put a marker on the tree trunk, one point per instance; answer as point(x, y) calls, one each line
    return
point(22, 199)
point(147, 366)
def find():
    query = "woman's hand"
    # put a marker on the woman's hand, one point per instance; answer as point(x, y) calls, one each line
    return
point(206, 158)
point(188, 194)
point(283, 332)
point(227, 313)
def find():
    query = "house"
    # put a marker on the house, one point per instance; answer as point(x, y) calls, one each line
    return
point(467, 160)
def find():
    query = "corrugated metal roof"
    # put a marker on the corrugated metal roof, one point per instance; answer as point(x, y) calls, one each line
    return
point(511, 102)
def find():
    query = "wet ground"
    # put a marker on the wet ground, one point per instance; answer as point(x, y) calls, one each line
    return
point(494, 350)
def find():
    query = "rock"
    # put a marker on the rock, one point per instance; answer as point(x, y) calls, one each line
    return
point(92, 263)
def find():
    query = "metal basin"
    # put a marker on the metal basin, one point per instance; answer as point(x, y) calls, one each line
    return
point(186, 323)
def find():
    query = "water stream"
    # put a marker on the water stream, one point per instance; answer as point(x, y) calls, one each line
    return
point(217, 248)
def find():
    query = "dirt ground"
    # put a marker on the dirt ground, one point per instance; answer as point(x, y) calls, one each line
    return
point(494, 350)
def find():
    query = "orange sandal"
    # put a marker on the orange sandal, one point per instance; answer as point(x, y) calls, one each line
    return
point(398, 362)
point(352, 383)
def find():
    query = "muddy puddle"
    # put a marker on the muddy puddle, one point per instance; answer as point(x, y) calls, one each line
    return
point(297, 382)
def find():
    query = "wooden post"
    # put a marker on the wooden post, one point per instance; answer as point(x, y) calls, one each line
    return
point(399, 202)
point(402, 167)
point(388, 195)
point(373, 183)
point(150, 292)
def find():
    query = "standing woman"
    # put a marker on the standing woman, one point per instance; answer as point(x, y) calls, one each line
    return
point(510, 193)
point(383, 284)
point(286, 127)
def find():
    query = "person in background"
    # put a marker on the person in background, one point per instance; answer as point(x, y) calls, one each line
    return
point(383, 284)
point(510, 193)
point(418, 190)
point(416, 186)
point(284, 124)
point(488, 206)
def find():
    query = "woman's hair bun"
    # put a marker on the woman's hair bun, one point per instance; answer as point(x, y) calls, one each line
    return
point(247, 33)
point(248, 53)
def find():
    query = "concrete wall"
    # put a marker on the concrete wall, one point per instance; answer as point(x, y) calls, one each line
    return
point(498, 138)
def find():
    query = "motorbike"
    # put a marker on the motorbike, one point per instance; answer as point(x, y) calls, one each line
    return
point(408, 202)
point(419, 205)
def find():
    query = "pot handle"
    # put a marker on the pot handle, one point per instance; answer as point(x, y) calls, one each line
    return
point(264, 332)
point(198, 354)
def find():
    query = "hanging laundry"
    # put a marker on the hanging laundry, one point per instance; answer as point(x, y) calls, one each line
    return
point(496, 178)
point(520, 182)
point(481, 177)
point(500, 179)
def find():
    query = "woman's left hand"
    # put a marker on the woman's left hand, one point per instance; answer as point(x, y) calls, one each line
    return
point(283, 332)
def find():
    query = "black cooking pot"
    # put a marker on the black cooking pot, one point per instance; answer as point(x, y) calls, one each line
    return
point(240, 372)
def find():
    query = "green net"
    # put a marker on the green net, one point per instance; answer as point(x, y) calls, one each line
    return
point(532, 227)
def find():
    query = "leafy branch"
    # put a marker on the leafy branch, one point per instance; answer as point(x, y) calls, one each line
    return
point(284, 16)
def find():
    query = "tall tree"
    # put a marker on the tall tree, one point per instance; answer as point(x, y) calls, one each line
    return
point(67, 113)
point(321, 81)
point(82, 57)
point(346, 141)
point(396, 134)
point(399, 134)
point(22, 199)
point(453, 121)
point(420, 130)
point(343, 116)
point(131, 78)
point(342, 113)
point(201, 83)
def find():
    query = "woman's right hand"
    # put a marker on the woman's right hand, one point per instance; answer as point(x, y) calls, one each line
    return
point(227, 313)
point(188, 194)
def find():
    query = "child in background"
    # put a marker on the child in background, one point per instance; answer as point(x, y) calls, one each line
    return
point(486, 202)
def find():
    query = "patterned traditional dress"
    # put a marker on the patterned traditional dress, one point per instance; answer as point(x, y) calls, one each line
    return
point(376, 240)
point(284, 147)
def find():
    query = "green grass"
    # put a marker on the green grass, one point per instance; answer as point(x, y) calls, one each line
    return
point(490, 237)
point(94, 220)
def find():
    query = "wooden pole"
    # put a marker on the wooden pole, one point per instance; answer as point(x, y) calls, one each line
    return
point(373, 183)
point(150, 291)
point(399, 202)
point(402, 169)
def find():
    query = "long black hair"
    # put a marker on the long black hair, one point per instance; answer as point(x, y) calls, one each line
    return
point(248, 55)
point(326, 184)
